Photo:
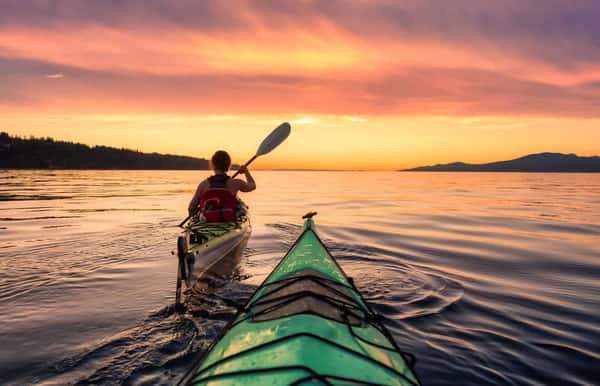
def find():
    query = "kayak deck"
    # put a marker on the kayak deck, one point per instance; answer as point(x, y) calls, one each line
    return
point(203, 236)
point(306, 324)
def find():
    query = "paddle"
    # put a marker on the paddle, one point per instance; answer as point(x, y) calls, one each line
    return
point(181, 272)
point(273, 140)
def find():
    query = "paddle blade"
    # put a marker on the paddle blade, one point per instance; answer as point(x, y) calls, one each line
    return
point(274, 139)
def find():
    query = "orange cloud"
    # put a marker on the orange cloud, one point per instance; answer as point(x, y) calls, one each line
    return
point(325, 51)
point(183, 52)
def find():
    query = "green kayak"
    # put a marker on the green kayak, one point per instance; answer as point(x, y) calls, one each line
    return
point(307, 324)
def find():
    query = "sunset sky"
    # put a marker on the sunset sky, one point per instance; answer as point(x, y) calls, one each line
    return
point(365, 84)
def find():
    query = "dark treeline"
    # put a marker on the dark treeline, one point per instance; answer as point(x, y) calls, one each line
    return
point(46, 153)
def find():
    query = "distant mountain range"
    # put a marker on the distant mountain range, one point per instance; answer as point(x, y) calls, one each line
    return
point(46, 153)
point(541, 162)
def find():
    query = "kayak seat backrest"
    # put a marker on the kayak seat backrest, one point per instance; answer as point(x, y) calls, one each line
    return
point(217, 205)
point(307, 292)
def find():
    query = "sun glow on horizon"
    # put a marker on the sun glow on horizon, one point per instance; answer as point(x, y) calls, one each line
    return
point(320, 142)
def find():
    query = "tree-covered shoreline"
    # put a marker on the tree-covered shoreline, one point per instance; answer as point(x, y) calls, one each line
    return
point(47, 153)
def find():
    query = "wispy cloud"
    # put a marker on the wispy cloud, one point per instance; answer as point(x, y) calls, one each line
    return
point(304, 121)
point(464, 57)
point(355, 119)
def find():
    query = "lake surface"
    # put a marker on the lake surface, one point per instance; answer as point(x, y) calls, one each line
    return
point(489, 279)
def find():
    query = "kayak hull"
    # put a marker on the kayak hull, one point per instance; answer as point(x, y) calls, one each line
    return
point(306, 324)
point(210, 243)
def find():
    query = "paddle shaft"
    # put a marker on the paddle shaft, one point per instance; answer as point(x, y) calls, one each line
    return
point(180, 267)
point(181, 257)
point(244, 165)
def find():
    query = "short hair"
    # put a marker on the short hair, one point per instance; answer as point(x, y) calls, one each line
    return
point(221, 160)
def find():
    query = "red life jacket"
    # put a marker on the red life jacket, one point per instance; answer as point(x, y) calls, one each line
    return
point(217, 204)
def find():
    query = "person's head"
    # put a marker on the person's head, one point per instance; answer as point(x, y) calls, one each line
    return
point(220, 161)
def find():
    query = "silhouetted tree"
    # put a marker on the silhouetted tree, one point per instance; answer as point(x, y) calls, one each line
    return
point(42, 153)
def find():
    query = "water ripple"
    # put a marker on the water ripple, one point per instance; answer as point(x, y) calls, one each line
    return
point(488, 279)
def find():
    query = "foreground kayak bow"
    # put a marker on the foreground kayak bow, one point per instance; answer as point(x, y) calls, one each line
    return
point(306, 324)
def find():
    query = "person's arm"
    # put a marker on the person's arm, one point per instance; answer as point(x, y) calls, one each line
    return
point(193, 207)
point(248, 185)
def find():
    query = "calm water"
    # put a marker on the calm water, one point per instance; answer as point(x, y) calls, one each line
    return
point(486, 278)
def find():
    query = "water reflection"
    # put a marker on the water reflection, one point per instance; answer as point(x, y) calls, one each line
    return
point(487, 278)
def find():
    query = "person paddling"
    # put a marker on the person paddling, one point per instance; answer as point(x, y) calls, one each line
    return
point(216, 196)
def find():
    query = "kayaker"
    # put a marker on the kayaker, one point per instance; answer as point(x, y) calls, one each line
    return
point(220, 188)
